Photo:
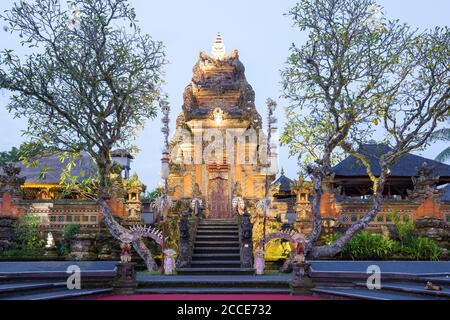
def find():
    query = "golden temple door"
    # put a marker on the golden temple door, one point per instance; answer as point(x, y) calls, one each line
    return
point(219, 203)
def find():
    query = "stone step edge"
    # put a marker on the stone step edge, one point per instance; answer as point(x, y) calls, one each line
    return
point(217, 261)
point(21, 287)
point(395, 288)
point(238, 290)
point(62, 294)
point(215, 269)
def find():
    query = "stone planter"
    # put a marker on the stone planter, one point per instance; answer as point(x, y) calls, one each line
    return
point(434, 229)
point(7, 234)
point(82, 247)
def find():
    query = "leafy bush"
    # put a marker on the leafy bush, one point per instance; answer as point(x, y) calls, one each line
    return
point(69, 231)
point(331, 238)
point(28, 243)
point(405, 230)
point(412, 246)
point(368, 246)
point(420, 248)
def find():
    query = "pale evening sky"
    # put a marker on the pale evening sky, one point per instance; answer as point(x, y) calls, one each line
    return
point(257, 28)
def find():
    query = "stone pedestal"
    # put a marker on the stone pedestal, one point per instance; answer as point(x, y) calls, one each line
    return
point(125, 282)
point(82, 247)
point(434, 229)
point(7, 234)
point(51, 252)
point(302, 283)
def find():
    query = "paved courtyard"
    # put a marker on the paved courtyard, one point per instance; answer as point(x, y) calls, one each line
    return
point(408, 267)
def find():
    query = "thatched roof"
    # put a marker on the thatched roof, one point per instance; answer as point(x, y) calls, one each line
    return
point(407, 166)
point(53, 168)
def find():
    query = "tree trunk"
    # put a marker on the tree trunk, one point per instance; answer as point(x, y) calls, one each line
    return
point(317, 226)
point(146, 255)
point(117, 230)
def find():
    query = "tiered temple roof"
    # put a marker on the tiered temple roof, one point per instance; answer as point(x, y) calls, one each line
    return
point(219, 81)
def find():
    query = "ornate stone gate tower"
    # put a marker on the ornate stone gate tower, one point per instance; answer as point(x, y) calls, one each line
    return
point(218, 150)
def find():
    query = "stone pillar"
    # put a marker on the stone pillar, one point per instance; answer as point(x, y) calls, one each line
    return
point(186, 240)
point(7, 234)
point(125, 282)
point(302, 283)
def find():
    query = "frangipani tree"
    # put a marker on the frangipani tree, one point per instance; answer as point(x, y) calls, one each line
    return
point(93, 81)
point(356, 79)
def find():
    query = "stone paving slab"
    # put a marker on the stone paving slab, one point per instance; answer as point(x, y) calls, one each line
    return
point(222, 279)
point(410, 288)
point(58, 295)
point(212, 290)
point(56, 266)
point(443, 280)
point(13, 287)
point(414, 267)
point(211, 297)
point(365, 294)
point(406, 267)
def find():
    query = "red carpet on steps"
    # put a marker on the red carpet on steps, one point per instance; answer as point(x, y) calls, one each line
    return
point(210, 297)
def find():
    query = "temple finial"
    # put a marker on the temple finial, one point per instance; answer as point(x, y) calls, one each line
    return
point(282, 171)
point(218, 50)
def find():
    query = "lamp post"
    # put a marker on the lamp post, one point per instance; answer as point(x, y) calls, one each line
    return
point(271, 120)
point(165, 108)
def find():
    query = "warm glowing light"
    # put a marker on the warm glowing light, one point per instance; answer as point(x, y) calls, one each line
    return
point(218, 116)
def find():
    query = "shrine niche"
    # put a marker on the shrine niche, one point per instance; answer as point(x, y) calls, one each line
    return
point(215, 146)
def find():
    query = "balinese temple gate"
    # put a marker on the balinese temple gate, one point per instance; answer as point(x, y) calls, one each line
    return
point(218, 151)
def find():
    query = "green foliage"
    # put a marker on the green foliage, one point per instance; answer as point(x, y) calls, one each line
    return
point(24, 153)
point(172, 232)
point(412, 246)
point(27, 242)
point(369, 246)
point(27, 231)
point(68, 233)
point(442, 135)
point(421, 248)
point(9, 156)
point(331, 238)
point(149, 196)
point(332, 98)
point(275, 249)
point(404, 230)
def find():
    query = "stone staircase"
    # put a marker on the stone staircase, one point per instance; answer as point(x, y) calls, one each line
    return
point(214, 284)
point(39, 290)
point(216, 250)
point(396, 286)
point(47, 280)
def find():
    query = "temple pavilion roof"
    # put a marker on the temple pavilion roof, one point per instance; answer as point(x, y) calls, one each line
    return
point(407, 166)
point(53, 168)
point(446, 196)
point(284, 183)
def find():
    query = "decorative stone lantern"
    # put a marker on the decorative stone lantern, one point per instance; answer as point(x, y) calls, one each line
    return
point(50, 247)
point(134, 188)
point(169, 261)
point(260, 263)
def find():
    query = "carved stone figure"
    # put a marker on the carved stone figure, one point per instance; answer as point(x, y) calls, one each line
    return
point(125, 254)
point(10, 181)
point(424, 184)
point(246, 227)
point(184, 227)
